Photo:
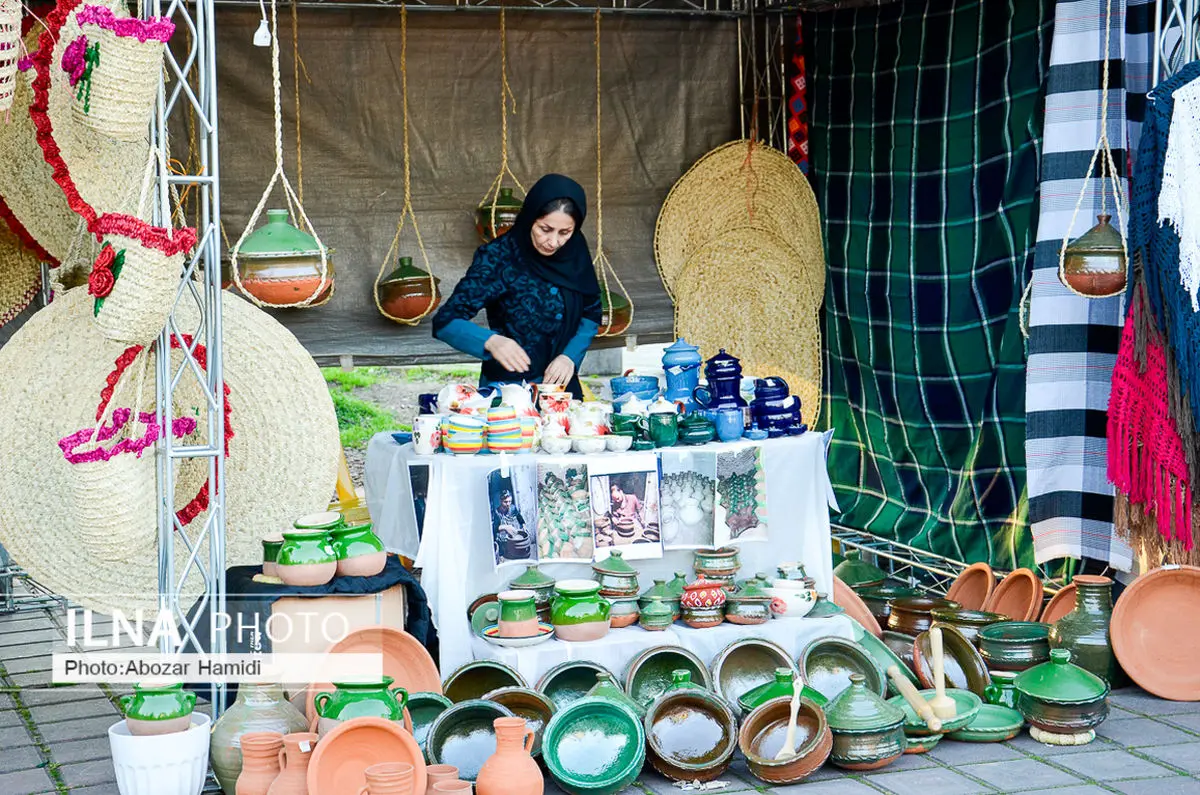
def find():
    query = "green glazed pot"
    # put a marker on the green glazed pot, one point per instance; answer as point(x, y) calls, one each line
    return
point(578, 612)
point(595, 747)
point(359, 551)
point(362, 700)
point(749, 605)
point(1060, 697)
point(541, 585)
point(721, 562)
point(326, 520)
point(615, 575)
point(878, 599)
point(664, 429)
point(656, 615)
point(1003, 689)
point(607, 687)
point(781, 687)
point(507, 208)
point(967, 622)
point(1084, 631)
point(664, 593)
point(306, 547)
point(158, 708)
point(1014, 645)
point(271, 545)
point(857, 573)
point(517, 606)
point(868, 732)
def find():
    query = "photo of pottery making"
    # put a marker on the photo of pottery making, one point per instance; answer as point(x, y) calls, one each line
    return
point(741, 505)
point(512, 501)
point(625, 507)
point(563, 513)
point(418, 479)
point(689, 489)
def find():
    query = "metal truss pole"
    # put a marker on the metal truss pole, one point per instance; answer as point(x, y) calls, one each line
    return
point(1176, 36)
point(194, 554)
point(762, 83)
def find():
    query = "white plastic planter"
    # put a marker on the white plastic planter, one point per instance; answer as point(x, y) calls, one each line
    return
point(166, 764)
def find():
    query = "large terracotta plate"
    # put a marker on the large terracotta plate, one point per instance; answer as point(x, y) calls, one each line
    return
point(341, 756)
point(1059, 605)
point(1150, 633)
point(1018, 595)
point(845, 598)
point(972, 588)
point(404, 659)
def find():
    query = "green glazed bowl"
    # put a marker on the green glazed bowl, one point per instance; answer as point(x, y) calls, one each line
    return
point(649, 674)
point(569, 681)
point(424, 708)
point(992, 724)
point(303, 547)
point(464, 737)
point(966, 705)
point(477, 678)
point(594, 747)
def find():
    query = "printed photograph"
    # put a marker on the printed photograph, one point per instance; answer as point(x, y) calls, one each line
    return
point(689, 489)
point(741, 505)
point(418, 479)
point(513, 508)
point(625, 506)
point(563, 512)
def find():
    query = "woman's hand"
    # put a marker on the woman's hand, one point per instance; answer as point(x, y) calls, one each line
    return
point(512, 357)
point(560, 370)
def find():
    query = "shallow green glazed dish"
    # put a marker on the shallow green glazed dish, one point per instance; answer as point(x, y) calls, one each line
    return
point(650, 673)
point(595, 747)
point(424, 708)
point(966, 705)
point(992, 724)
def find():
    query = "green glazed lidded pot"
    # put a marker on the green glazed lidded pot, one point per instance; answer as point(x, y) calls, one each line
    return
point(616, 576)
point(780, 688)
point(306, 558)
point(534, 580)
point(857, 573)
point(360, 553)
point(681, 679)
point(607, 687)
point(1061, 698)
point(578, 613)
point(717, 563)
point(1085, 630)
point(507, 207)
point(678, 585)
point(409, 292)
point(281, 264)
point(750, 605)
point(158, 708)
point(657, 615)
point(868, 732)
point(363, 699)
point(665, 594)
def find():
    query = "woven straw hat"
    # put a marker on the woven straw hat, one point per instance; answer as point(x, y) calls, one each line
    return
point(739, 185)
point(106, 172)
point(88, 530)
point(746, 291)
point(20, 275)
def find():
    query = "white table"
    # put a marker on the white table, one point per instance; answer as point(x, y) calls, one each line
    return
point(455, 551)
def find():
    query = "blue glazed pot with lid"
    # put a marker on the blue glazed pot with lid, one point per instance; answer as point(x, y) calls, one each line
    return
point(681, 364)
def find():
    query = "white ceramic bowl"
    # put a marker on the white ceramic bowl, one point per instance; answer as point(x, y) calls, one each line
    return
point(164, 764)
point(589, 445)
point(791, 598)
point(556, 445)
point(618, 444)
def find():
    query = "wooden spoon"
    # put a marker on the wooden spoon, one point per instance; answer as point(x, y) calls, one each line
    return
point(919, 705)
point(789, 741)
point(943, 706)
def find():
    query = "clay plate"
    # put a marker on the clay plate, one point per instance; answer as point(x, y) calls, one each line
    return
point(972, 588)
point(1148, 632)
point(845, 598)
point(744, 665)
point(341, 756)
point(404, 659)
point(1059, 605)
point(964, 667)
point(1018, 595)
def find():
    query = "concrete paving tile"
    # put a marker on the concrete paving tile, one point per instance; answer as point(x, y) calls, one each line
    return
point(1175, 785)
point(661, 786)
point(86, 774)
point(1140, 732)
point(1138, 700)
point(1189, 722)
point(23, 758)
point(25, 624)
point(927, 780)
point(76, 730)
point(14, 737)
point(25, 638)
point(1020, 774)
point(1108, 765)
point(1185, 756)
point(10, 718)
point(1117, 712)
point(843, 786)
point(40, 662)
point(955, 754)
point(1085, 789)
point(6, 701)
point(35, 696)
point(33, 679)
point(911, 762)
point(73, 710)
point(66, 753)
point(1027, 744)
point(26, 782)
point(111, 789)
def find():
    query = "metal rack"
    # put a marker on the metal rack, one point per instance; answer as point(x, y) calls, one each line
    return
point(1176, 35)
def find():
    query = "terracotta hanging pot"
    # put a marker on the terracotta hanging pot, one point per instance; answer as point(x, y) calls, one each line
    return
point(409, 292)
point(616, 313)
point(507, 208)
point(279, 264)
point(1094, 263)
point(511, 770)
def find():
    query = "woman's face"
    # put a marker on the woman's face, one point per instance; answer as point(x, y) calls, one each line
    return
point(617, 494)
point(551, 232)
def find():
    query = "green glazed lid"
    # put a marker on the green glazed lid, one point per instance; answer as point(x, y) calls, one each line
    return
point(858, 710)
point(607, 687)
point(886, 591)
point(659, 589)
point(781, 687)
point(854, 571)
point(405, 270)
point(678, 584)
point(1060, 681)
point(681, 679)
point(992, 723)
point(616, 564)
point(657, 608)
point(750, 592)
point(532, 579)
point(504, 200)
point(278, 238)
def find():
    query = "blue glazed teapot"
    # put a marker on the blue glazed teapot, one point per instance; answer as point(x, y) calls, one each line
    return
point(724, 390)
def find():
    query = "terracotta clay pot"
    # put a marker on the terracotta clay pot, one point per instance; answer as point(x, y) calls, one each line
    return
point(389, 778)
point(511, 770)
point(913, 615)
point(293, 764)
point(260, 762)
point(435, 774)
point(452, 786)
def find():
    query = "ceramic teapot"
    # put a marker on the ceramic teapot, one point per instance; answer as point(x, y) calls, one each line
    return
point(519, 397)
point(681, 365)
point(662, 406)
point(454, 396)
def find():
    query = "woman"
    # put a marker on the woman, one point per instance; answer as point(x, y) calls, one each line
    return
point(539, 289)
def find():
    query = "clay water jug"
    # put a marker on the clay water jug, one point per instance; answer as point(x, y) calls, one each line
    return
point(259, 708)
point(511, 770)
point(389, 778)
point(293, 764)
point(260, 762)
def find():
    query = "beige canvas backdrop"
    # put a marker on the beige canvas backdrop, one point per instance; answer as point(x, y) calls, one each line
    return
point(670, 96)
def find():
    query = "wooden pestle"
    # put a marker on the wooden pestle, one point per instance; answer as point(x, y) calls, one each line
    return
point(943, 706)
point(919, 705)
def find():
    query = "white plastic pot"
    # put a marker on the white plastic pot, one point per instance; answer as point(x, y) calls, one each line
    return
point(165, 764)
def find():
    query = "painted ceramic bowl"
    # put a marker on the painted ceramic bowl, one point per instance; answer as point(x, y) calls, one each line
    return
point(589, 445)
point(618, 442)
point(569, 681)
point(556, 445)
point(966, 707)
point(703, 593)
point(479, 677)
point(650, 673)
point(594, 747)
point(745, 664)
point(463, 736)
point(1014, 645)
point(791, 598)
point(967, 622)
point(827, 664)
point(534, 707)
point(912, 615)
point(765, 730)
point(690, 735)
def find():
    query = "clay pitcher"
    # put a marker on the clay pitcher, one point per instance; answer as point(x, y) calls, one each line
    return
point(511, 770)
point(260, 762)
point(389, 778)
point(436, 773)
point(293, 764)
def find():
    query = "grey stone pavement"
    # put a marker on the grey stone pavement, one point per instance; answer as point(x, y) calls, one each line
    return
point(54, 740)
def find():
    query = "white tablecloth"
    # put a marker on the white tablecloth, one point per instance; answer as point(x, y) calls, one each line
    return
point(455, 552)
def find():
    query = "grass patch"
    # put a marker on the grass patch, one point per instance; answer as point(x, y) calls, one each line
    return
point(466, 375)
point(359, 420)
point(357, 378)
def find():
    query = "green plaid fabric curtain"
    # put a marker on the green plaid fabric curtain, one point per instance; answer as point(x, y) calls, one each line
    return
point(925, 135)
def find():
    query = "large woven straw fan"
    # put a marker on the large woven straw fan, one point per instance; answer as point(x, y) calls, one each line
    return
point(408, 294)
point(82, 463)
point(499, 207)
point(738, 246)
point(284, 264)
point(616, 307)
point(20, 275)
point(10, 50)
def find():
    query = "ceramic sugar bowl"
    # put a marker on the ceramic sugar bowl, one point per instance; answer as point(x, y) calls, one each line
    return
point(703, 604)
point(791, 598)
point(158, 707)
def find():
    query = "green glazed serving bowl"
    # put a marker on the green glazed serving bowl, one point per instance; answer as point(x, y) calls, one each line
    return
point(569, 681)
point(424, 708)
point(649, 674)
point(966, 705)
point(477, 678)
point(827, 664)
point(594, 747)
point(534, 707)
point(992, 724)
point(1014, 645)
point(463, 736)
point(745, 664)
point(691, 735)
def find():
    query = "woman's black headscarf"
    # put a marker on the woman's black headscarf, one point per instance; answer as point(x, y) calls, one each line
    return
point(570, 268)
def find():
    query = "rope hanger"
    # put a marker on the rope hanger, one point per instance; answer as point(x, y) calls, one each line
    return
point(603, 267)
point(506, 97)
point(406, 212)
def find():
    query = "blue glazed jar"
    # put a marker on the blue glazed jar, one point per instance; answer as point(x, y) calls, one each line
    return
point(724, 391)
point(681, 363)
point(774, 408)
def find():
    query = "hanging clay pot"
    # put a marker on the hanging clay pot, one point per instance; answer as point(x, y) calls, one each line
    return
point(616, 313)
point(408, 292)
point(511, 770)
point(260, 762)
point(507, 208)
point(1095, 262)
point(259, 708)
point(293, 776)
point(280, 264)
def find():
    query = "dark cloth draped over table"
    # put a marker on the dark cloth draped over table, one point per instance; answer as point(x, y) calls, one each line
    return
point(925, 125)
